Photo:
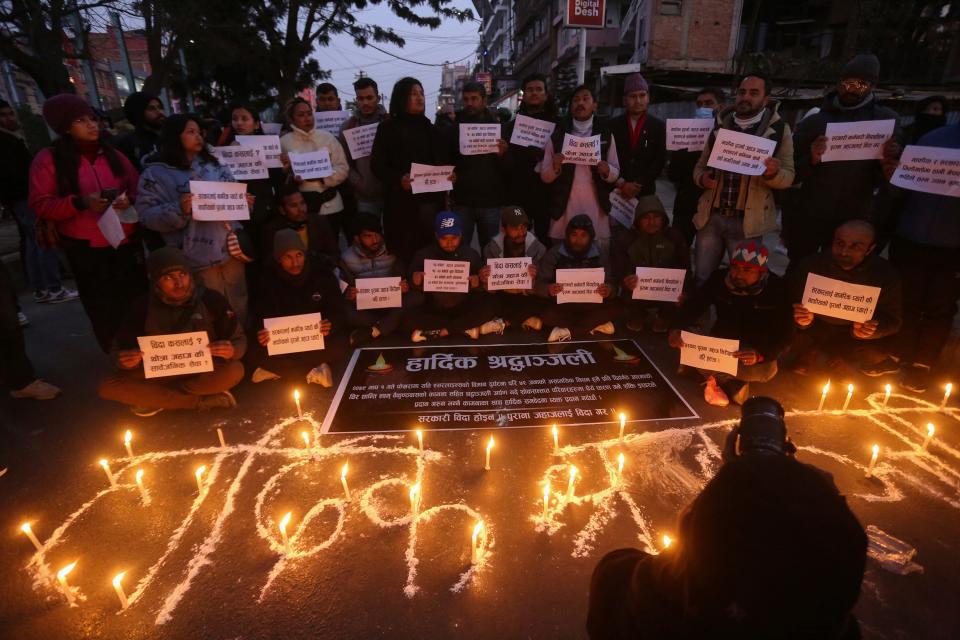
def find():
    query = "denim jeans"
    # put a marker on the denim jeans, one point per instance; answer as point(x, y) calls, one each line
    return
point(719, 234)
point(487, 220)
point(42, 263)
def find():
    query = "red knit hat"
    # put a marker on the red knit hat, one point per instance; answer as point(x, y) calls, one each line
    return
point(750, 254)
point(62, 110)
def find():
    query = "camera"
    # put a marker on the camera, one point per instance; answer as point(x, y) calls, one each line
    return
point(762, 431)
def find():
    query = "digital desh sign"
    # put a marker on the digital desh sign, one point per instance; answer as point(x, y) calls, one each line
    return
point(588, 14)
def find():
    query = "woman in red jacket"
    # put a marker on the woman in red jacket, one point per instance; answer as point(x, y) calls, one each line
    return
point(74, 183)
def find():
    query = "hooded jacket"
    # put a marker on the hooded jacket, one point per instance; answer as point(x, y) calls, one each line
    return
point(355, 264)
point(280, 294)
point(666, 249)
point(320, 242)
point(141, 142)
point(838, 191)
point(204, 244)
point(298, 141)
point(532, 248)
point(481, 179)
point(560, 257)
point(756, 195)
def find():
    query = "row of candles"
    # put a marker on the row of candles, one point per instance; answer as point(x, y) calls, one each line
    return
point(888, 389)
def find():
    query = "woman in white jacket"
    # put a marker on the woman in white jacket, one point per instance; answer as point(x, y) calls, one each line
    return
point(321, 195)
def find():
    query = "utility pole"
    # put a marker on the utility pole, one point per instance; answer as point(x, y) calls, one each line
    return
point(582, 58)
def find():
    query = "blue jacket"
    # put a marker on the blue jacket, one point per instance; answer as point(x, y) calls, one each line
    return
point(204, 244)
point(928, 218)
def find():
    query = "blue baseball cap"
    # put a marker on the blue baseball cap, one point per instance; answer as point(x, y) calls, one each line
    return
point(447, 223)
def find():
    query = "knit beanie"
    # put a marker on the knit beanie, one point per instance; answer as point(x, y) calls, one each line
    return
point(863, 66)
point(582, 221)
point(286, 240)
point(750, 254)
point(635, 82)
point(62, 110)
point(136, 104)
point(165, 260)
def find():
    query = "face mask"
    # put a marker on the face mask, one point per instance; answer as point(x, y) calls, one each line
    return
point(704, 112)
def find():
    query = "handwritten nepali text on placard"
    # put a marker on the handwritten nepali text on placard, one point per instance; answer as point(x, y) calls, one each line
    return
point(360, 140)
point(531, 132)
point(654, 283)
point(219, 200)
point(293, 334)
point(623, 210)
point(477, 139)
point(705, 352)
point(312, 165)
point(245, 162)
point(580, 285)
point(857, 140)
point(428, 178)
point(269, 146)
point(929, 169)
point(581, 150)
point(740, 152)
point(446, 276)
point(330, 121)
point(509, 273)
point(839, 299)
point(175, 354)
point(688, 134)
point(378, 293)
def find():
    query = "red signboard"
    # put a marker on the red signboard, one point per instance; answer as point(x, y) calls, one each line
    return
point(486, 79)
point(588, 14)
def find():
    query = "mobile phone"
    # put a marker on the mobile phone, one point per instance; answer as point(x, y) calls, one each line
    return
point(109, 194)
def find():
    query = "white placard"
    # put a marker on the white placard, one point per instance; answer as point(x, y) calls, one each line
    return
point(739, 152)
point(929, 169)
point(509, 273)
point(581, 150)
point(246, 163)
point(271, 128)
point(294, 334)
point(330, 121)
point(360, 140)
point(311, 165)
point(704, 352)
point(448, 276)
point(219, 200)
point(269, 146)
point(175, 354)
point(654, 283)
point(688, 134)
point(531, 132)
point(428, 178)
point(839, 299)
point(477, 139)
point(110, 227)
point(378, 293)
point(580, 285)
point(857, 140)
point(623, 210)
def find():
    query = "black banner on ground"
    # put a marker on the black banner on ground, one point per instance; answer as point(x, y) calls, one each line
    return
point(509, 385)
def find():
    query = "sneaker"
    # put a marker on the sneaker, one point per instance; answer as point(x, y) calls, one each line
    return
point(222, 400)
point(714, 395)
point(886, 366)
point(41, 296)
point(559, 334)
point(606, 328)
point(533, 323)
point(22, 319)
point(262, 375)
point(429, 334)
point(361, 336)
point(473, 334)
point(321, 375)
point(144, 412)
point(916, 378)
point(36, 390)
point(497, 325)
point(63, 295)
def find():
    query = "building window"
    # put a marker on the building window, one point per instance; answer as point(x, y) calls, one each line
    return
point(671, 7)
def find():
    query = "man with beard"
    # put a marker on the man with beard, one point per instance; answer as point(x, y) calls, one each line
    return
point(365, 186)
point(753, 307)
point(833, 192)
point(733, 206)
point(145, 112)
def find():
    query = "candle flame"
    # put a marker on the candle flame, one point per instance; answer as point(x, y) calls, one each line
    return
point(343, 473)
point(127, 437)
point(285, 521)
point(667, 541)
point(296, 394)
point(876, 450)
point(202, 469)
point(103, 463)
point(888, 389)
point(25, 527)
point(949, 387)
point(62, 574)
point(546, 493)
point(117, 579)
point(850, 388)
point(930, 429)
point(414, 490)
point(420, 437)
point(490, 444)
point(620, 464)
point(573, 473)
point(556, 434)
point(826, 388)
point(139, 476)
point(306, 438)
point(623, 418)
point(476, 531)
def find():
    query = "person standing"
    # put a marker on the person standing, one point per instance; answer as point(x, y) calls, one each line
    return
point(145, 112)
point(365, 185)
point(735, 207)
point(16, 370)
point(72, 183)
point(407, 137)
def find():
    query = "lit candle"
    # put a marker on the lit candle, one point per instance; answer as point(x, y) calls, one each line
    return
point(474, 548)
point(930, 431)
point(296, 398)
point(823, 396)
point(886, 394)
point(546, 499)
point(118, 587)
point(573, 476)
point(223, 443)
point(127, 437)
point(62, 579)
point(306, 439)
point(199, 475)
point(556, 441)
point(283, 531)
point(946, 396)
point(420, 439)
point(415, 499)
point(667, 541)
point(620, 460)
point(486, 466)
point(106, 470)
point(143, 489)
point(873, 459)
point(28, 531)
point(343, 480)
point(623, 424)
point(846, 402)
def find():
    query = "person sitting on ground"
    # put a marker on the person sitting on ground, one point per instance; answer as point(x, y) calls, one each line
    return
point(314, 231)
point(440, 314)
point(294, 284)
point(753, 307)
point(515, 240)
point(368, 257)
point(769, 549)
point(578, 250)
point(851, 258)
point(176, 303)
point(655, 244)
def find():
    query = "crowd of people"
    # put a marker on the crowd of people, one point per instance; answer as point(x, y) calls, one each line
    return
point(308, 241)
